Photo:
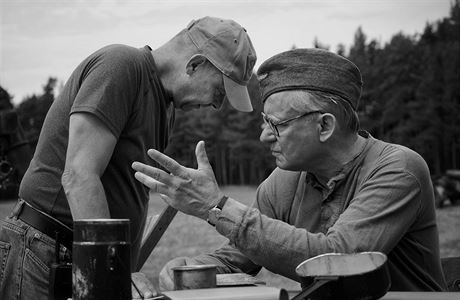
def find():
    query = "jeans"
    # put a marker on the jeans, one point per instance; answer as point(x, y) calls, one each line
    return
point(26, 255)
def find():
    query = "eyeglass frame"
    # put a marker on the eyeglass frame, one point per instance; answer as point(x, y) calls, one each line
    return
point(274, 127)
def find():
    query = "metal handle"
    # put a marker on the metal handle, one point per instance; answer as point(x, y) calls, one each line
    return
point(318, 282)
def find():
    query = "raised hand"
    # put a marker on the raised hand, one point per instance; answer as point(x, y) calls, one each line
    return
point(192, 191)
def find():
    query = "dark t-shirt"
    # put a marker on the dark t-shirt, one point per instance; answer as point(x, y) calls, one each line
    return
point(119, 85)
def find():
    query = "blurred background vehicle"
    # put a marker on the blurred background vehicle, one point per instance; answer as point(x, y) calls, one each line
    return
point(447, 188)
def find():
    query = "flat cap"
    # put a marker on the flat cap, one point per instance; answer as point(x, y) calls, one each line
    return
point(311, 69)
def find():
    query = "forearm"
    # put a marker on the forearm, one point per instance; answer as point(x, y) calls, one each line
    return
point(229, 260)
point(85, 195)
point(273, 244)
point(280, 247)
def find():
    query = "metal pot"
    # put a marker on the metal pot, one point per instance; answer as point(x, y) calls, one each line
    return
point(194, 277)
point(357, 276)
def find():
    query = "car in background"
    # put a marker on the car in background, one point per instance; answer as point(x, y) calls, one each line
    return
point(447, 188)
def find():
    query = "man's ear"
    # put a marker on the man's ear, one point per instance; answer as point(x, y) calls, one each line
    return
point(194, 62)
point(328, 124)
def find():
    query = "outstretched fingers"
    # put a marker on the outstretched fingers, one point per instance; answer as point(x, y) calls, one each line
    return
point(152, 184)
point(155, 179)
point(153, 172)
point(168, 163)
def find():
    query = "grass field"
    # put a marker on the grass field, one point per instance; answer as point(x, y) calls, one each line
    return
point(188, 236)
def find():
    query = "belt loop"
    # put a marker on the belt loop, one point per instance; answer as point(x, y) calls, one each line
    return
point(17, 209)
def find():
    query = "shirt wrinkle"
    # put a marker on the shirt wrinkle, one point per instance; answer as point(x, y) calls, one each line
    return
point(328, 189)
point(138, 120)
point(369, 206)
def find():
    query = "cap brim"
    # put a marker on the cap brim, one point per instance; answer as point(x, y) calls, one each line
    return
point(237, 95)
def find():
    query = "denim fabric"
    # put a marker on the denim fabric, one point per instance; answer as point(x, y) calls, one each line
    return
point(26, 255)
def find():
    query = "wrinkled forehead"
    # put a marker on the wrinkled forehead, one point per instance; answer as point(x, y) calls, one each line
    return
point(288, 101)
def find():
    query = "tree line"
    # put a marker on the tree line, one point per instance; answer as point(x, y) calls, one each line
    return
point(411, 90)
point(410, 97)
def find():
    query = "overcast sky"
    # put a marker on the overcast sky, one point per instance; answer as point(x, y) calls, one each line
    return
point(43, 38)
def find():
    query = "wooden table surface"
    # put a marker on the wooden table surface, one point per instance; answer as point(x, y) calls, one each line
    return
point(270, 293)
point(421, 296)
point(412, 295)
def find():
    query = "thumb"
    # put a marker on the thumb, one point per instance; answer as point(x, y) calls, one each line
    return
point(201, 156)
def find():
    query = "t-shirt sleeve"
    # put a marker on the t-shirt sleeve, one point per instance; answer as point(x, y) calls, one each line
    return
point(108, 87)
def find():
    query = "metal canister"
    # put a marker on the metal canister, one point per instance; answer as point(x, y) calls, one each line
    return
point(194, 277)
point(101, 267)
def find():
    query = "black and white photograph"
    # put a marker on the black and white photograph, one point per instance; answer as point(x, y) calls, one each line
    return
point(229, 149)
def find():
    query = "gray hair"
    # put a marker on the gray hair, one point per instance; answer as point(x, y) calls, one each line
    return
point(346, 116)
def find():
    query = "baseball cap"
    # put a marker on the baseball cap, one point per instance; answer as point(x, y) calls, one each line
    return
point(227, 46)
point(311, 69)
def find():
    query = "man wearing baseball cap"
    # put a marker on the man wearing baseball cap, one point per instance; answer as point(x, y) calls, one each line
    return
point(226, 45)
point(116, 104)
point(336, 189)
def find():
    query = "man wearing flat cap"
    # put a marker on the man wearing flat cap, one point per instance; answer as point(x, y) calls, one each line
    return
point(335, 188)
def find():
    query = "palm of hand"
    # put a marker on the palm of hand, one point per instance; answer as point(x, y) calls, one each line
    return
point(192, 191)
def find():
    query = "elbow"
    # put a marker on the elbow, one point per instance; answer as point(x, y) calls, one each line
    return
point(78, 178)
point(346, 243)
point(73, 179)
point(68, 180)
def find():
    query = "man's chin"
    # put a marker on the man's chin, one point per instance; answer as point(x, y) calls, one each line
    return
point(285, 165)
point(280, 163)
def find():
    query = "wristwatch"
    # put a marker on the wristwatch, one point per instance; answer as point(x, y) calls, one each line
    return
point(214, 213)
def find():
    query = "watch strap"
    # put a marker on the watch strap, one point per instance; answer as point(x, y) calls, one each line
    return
point(215, 211)
point(222, 202)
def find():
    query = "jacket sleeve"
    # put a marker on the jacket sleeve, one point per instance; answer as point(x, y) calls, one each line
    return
point(229, 258)
point(377, 218)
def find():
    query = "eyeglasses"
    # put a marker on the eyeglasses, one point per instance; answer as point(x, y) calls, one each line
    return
point(273, 126)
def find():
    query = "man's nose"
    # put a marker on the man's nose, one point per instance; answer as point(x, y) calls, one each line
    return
point(266, 136)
